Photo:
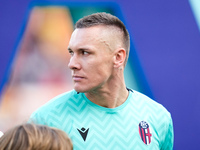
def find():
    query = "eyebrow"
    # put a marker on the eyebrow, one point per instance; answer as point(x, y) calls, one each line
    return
point(69, 50)
point(80, 49)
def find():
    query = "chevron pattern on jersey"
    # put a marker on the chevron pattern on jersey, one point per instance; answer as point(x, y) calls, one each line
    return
point(109, 129)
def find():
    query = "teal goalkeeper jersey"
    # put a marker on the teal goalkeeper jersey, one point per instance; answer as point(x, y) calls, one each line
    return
point(138, 124)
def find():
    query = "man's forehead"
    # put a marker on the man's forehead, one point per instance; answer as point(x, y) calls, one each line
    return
point(100, 34)
point(85, 33)
point(82, 39)
point(90, 34)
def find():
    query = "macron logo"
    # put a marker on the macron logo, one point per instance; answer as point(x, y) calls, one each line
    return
point(83, 132)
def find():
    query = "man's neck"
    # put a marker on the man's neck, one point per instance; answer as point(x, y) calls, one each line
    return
point(111, 97)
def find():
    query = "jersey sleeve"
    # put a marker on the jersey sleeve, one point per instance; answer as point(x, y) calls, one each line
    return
point(169, 136)
point(36, 118)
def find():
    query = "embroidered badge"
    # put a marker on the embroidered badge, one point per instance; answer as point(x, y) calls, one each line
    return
point(144, 132)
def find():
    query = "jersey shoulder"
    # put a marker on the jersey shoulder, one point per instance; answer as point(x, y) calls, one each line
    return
point(56, 104)
point(146, 101)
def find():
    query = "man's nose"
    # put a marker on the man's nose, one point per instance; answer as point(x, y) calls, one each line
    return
point(74, 63)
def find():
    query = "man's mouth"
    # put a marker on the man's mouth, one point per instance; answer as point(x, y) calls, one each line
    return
point(77, 78)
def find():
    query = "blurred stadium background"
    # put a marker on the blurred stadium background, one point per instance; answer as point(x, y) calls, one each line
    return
point(164, 59)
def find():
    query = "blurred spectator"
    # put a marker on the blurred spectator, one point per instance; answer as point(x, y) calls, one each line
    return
point(35, 137)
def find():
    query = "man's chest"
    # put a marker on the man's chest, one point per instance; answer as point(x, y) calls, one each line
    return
point(110, 131)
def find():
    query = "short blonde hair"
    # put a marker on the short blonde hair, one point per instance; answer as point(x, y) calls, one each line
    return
point(35, 137)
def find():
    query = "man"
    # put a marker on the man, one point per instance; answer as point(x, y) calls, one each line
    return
point(101, 113)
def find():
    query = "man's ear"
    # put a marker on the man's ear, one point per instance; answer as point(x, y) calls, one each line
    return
point(119, 58)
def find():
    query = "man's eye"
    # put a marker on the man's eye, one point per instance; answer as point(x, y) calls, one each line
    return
point(71, 53)
point(84, 53)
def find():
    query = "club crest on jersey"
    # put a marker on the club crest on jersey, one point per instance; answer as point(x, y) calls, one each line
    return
point(144, 131)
